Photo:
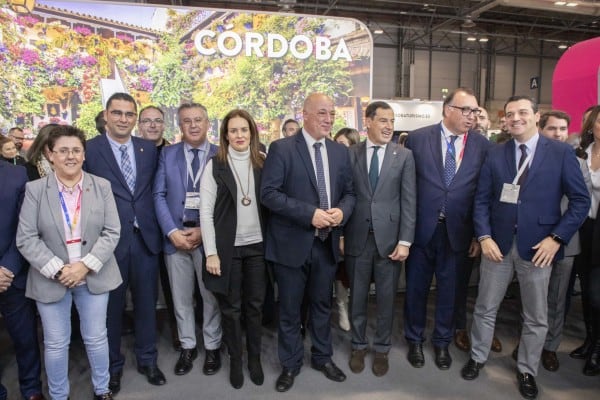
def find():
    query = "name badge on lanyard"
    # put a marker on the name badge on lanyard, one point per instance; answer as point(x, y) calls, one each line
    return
point(510, 191)
point(73, 243)
point(192, 200)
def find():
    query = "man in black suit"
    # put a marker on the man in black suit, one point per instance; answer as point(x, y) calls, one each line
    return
point(307, 186)
point(17, 310)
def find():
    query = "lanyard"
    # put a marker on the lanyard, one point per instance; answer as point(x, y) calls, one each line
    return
point(66, 211)
point(520, 172)
point(191, 176)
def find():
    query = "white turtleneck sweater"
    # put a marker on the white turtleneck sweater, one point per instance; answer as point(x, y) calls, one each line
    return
point(248, 224)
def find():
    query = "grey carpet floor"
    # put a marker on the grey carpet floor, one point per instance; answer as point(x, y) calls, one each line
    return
point(496, 381)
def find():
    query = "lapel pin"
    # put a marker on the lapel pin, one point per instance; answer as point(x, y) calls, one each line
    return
point(394, 153)
point(142, 150)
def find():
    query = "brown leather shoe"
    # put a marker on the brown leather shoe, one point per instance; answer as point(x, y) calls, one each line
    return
point(496, 345)
point(461, 340)
point(357, 360)
point(37, 396)
point(549, 360)
point(380, 364)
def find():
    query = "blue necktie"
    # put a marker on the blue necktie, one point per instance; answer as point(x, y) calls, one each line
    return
point(127, 168)
point(374, 168)
point(450, 165)
point(323, 202)
point(195, 168)
point(523, 176)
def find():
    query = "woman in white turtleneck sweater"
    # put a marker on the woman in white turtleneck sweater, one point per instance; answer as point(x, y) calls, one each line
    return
point(235, 267)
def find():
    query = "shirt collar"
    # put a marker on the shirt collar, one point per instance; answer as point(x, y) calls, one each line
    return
point(371, 144)
point(62, 188)
point(447, 133)
point(310, 141)
point(203, 147)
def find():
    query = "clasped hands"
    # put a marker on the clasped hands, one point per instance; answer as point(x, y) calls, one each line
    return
point(327, 218)
point(72, 274)
point(186, 239)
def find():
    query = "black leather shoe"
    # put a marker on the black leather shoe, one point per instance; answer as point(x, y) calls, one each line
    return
point(153, 374)
point(527, 386)
point(471, 370)
point(236, 375)
point(330, 370)
point(285, 380)
point(257, 376)
point(550, 360)
point(443, 360)
point(104, 396)
point(186, 361)
point(582, 351)
point(592, 363)
point(515, 353)
point(415, 355)
point(212, 362)
point(114, 383)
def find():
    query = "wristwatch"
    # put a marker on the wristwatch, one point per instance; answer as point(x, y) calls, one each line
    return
point(557, 238)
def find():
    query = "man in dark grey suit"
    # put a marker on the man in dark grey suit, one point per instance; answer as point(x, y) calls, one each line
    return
point(379, 232)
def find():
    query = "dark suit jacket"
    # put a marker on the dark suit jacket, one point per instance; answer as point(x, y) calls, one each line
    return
point(426, 146)
point(100, 160)
point(392, 207)
point(554, 172)
point(12, 181)
point(170, 187)
point(289, 191)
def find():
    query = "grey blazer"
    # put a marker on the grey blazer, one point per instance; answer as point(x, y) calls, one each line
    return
point(574, 246)
point(41, 236)
point(392, 207)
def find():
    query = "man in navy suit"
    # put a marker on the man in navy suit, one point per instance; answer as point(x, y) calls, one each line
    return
point(129, 163)
point(521, 228)
point(18, 311)
point(307, 186)
point(448, 157)
point(177, 201)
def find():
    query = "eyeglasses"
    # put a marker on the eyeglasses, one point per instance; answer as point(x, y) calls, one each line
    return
point(466, 111)
point(189, 121)
point(148, 121)
point(65, 151)
point(17, 137)
point(118, 114)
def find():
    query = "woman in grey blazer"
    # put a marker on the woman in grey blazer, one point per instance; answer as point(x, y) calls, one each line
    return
point(68, 230)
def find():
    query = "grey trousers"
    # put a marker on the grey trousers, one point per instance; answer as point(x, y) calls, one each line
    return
point(385, 273)
point(533, 283)
point(181, 266)
point(557, 297)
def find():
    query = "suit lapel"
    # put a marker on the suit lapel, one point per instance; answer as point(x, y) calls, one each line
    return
point(436, 150)
point(140, 161)
point(302, 149)
point(509, 156)
point(86, 201)
point(182, 165)
point(113, 164)
point(361, 161)
point(329, 144)
point(538, 158)
point(388, 159)
point(53, 202)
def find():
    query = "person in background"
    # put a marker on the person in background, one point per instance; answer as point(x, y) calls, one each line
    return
point(17, 135)
point(348, 137)
point(379, 233)
point(9, 153)
point(100, 123)
point(290, 127)
point(38, 155)
point(483, 122)
point(18, 311)
point(68, 230)
point(590, 235)
point(235, 265)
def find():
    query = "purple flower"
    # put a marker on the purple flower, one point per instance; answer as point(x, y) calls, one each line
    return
point(145, 85)
point(30, 57)
point(83, 30)
point(64, 63)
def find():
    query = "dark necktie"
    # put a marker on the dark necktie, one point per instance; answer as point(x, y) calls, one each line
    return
point(323, 202)
point(450, 164)
point(127, 168)
point(195, 168)
point(374, 168)
point(523, 176)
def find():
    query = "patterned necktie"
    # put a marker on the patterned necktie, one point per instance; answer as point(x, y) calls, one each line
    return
point(323, 202)
point(195, 168)
point(523, 176)
point(374, 168)
point(127, 168)
point(450, 165)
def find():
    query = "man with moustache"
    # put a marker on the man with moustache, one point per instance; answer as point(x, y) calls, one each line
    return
point(520, 226)
point(307, 186)
point(129, 163)
point(379, 233)
point(177, 202)
point(448, 157)
point(151, 126)
point(290, 127)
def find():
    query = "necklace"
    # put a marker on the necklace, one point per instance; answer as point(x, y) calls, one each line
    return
point(245, 198)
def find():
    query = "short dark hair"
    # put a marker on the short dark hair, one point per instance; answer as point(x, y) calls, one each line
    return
point(453, 94)
point(556, 114)
point(151, 108)
point(587, 134)
point(15, 128)
point(121, 96)
point(288, 121)
point(64, 131)
point(512, 99)
point(374, 106)
point(100, 123)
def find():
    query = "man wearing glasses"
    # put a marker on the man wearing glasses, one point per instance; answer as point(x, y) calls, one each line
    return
point(129, 163)
point(151, 126)
point(448, 157)
point(17, 136)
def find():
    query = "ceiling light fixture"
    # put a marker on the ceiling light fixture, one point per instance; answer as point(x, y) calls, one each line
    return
point(560, 3)
point(468, 22)
point(471, 39)
point(484, 39)
point(378, 31)
point(571, 4)
point(562, 46)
